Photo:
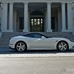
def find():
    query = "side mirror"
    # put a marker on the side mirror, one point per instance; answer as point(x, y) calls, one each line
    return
point(43, 37)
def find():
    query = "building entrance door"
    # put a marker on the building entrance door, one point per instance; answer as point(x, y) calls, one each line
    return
point(53, 24)
point(37, 24)
point(21, 24)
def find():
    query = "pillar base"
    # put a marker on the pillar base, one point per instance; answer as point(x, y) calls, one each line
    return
point(1, 34)
point(7, 30)
point(25, 30)
point(48, 30)
point(67, 30)
point(70, 30)
point(10, 30)
point(63, 30)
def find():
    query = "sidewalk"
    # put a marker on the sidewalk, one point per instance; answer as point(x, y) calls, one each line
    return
point(36, 55)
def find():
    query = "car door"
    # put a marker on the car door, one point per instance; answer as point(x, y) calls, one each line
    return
point(44, 43)
point(40, 41)
point(36, 41)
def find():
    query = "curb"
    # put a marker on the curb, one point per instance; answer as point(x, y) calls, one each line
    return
point(36, 55)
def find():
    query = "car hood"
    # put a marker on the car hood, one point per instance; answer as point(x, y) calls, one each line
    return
point(60, 38)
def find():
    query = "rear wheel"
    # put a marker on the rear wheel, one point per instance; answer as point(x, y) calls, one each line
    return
point(21, 46)
point(62, 46)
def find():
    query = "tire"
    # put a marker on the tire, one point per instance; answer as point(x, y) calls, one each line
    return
point(62, 46)
point(21, 46)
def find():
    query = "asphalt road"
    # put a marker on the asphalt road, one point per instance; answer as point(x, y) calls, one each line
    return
point(6, 50)
point(36, 62)
point(52, 65)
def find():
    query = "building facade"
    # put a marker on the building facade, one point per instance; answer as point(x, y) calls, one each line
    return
point(36, 15)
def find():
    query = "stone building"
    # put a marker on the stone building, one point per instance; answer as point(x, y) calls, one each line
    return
point(36, 15)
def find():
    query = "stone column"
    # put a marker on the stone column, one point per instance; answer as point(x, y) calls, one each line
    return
point(69, 15)
point(11, 17)
point(26, 25)
point(4, 17)
point(63, 18)
point(48, 18)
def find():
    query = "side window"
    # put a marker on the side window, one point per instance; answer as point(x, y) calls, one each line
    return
point(37, 36)
point(30, 35)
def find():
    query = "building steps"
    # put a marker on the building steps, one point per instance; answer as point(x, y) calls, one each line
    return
point(4, 40)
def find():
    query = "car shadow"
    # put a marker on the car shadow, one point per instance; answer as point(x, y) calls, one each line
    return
point(6, 50)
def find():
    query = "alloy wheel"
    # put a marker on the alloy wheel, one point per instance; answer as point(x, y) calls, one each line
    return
point(20, 46)
point(62, 46)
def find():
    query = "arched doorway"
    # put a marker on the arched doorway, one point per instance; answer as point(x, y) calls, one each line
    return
point(37, 21)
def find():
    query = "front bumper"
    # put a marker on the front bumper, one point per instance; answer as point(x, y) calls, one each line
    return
point(71, 45)
point(11, 46)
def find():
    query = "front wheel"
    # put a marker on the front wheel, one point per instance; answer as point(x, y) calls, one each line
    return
point(20, 46)
point(62, 46)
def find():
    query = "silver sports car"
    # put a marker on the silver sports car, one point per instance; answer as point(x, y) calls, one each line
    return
point(36, 41)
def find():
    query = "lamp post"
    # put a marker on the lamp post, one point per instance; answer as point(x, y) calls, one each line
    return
point(73, 18)
point(0, 19)
point(1, 14)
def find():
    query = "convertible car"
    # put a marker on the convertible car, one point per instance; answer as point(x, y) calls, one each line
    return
point(36, 41)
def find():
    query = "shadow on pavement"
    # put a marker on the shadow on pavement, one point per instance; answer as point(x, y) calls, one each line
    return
point(5, 50)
